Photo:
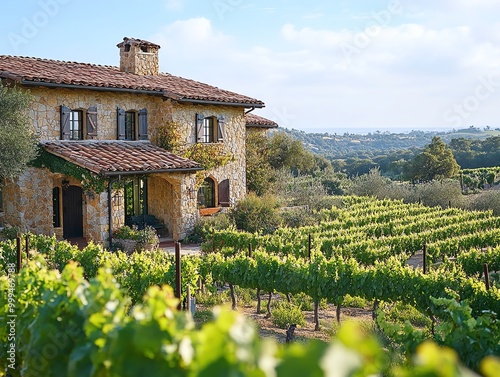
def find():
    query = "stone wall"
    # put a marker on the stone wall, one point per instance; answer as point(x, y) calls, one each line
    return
point(234, 142)
point(28, 201)
point(172, 198)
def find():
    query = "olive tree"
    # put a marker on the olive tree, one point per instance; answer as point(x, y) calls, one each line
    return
point(18, 141)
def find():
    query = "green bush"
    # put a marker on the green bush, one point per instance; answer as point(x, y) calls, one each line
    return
point(205, 225)
point(354, 302)
point(256, 214)
point(400, 313)
point(284, 314)
point(297, 217)
point(303, 301)
point(9, 233)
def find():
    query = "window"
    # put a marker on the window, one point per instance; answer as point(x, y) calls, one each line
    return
point(130, 125)
point(78, 124)
point(56, 208)
point(209, 129)
point(136, 198)
point(206, 194)
point(75, 125)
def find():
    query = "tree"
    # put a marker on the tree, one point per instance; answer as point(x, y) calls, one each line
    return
point(435, 162)
point(287, 152)
point(18, 141)
point(259, 172)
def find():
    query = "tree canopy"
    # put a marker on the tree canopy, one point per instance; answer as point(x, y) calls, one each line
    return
point(18, 141)
point(435, 162)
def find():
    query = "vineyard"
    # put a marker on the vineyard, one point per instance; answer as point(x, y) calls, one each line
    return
point(115, 324)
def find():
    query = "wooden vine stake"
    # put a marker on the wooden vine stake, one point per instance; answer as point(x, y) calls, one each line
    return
point(27, 246)
point(178, 279)
point(316, 315)
point(234, 299)
point(486, 276)
point(268, 315)
point(18, 254)
point(424, 252)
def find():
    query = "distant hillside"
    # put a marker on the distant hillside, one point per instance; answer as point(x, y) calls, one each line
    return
point(377, 143)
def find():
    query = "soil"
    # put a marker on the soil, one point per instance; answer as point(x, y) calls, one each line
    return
point(327, 319)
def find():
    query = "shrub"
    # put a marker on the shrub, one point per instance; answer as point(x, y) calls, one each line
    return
point(9, 233)
point(205, 225)
point(440, 193)
point(371, 184)
point(486, 200)
point(296, 217)
point(256, 214)
point(303, 301)
point(284, 314)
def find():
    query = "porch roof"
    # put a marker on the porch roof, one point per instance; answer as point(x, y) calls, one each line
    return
point(119, 157)
point(253, 120)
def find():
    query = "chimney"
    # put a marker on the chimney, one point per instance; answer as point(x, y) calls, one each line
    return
point(139, 57)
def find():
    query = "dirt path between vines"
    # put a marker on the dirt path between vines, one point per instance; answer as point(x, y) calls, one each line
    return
point(327, 319)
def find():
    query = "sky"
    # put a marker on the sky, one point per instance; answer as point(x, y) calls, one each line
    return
point(319, 66)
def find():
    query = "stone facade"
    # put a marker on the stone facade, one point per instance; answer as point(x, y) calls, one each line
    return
point(28, 201)
point(172, 196)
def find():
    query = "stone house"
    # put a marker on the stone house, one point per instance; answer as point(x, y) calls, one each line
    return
point(101, 129)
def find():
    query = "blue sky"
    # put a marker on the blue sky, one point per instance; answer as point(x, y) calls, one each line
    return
point(333, 66)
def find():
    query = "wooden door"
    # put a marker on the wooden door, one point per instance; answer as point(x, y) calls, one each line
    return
point(72, 212)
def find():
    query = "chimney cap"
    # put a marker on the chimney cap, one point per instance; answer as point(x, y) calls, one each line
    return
point(139, 42)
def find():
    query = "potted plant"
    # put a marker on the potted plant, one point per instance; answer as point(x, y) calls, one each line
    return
point(127, 238)
point(147, 238)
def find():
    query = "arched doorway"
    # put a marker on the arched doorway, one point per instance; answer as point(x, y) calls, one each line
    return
point(72, 212)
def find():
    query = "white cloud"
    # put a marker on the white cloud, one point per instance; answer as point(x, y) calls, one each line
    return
point(405, 75)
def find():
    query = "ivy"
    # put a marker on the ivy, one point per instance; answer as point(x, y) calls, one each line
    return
point(208, 155)
point(90, 181)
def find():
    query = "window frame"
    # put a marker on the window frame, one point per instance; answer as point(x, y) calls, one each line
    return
point(130, 127)
point(135, 196)
point(209, 130)
point(207, 194)
point(79, 122)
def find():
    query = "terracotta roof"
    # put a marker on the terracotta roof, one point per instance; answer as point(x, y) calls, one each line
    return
point(253, 120)
point(111, 157)
point(36, 71)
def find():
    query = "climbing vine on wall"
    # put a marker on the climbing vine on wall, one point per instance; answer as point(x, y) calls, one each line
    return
point(208, 155)
point(167, 136)
point(90, 181)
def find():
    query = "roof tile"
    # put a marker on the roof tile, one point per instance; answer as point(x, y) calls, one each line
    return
point(253, 120)
point(113, 156)
point(91, 75)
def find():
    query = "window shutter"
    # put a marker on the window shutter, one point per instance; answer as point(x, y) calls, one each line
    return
point(92, 122)
point(199, 128)
point(221, 120)
point(121, 123)
point(143, 124)
point(224, 193)
point(65, 129)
